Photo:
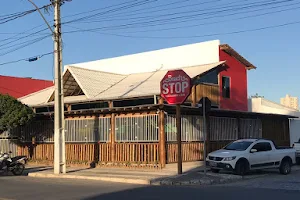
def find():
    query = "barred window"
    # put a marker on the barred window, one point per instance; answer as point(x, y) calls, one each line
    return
point(87, 130)
point(191, 128)
point(139, 128)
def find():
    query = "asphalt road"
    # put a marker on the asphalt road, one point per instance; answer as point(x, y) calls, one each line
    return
point(26, 188)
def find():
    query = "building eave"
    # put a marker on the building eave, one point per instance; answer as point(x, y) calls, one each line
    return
point(229, 50)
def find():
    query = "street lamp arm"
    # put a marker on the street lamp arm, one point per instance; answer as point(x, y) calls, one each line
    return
point(42, 15)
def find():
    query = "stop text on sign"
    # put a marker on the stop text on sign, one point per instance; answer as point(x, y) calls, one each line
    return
point(175, 85)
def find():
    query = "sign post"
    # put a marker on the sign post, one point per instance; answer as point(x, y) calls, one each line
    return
point(175, 87)
point(178, 130)
point(206, 105)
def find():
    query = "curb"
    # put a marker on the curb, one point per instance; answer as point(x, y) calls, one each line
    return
point(117, 180)
point(204, 181)
point(196, 182)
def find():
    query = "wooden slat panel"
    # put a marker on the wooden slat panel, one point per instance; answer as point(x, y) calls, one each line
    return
point(147, 153)
point(276, 130)
point(74, 152)
point(191, 151)
point(210, 91)
point(105, 152)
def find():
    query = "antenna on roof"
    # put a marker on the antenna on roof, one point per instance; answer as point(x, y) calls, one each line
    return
point(161, 66)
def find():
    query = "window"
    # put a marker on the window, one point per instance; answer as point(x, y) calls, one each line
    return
point(210, 77)
point(238, 146)
point(226, 87)
point(262, 146)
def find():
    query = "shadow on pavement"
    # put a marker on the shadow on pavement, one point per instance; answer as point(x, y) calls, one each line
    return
point(183, 192)
point(27, 171)
point(79, 169)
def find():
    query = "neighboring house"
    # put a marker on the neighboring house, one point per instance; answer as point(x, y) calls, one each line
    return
point(217, 70)
point(18, 87)
point(262, 105)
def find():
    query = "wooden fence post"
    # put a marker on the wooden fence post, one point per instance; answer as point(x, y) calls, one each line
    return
point(193, 93)
point(162, 135)
point(113, 136)
point(162, 138)
point(208, 130)
point(239, 128)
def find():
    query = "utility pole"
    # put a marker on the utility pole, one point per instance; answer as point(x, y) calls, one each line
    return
point(59, 133)
point(59, 122)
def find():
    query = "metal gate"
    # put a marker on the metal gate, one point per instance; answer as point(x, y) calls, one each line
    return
point(7, 145)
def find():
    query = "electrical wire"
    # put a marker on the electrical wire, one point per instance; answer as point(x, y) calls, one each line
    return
point(124, 15)
point(221, 21)
point(10, 17)
point(24, 44)
point(195, 36)
point(143, 2)
point(214, 9)
point(148, 9)
point(169, 20)
point(26, 59)
point(102, 8)
point(20, 38)
point(20, 33)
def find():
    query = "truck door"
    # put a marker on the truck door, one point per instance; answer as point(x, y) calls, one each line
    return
point(260, 158)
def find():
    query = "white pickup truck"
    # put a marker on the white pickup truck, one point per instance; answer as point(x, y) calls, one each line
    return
point(244, 155)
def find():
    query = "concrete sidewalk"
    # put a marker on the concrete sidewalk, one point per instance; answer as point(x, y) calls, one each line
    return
point(121, 175)
point(192, 175)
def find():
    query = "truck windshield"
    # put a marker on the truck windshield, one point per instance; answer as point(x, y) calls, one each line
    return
point(238, 145)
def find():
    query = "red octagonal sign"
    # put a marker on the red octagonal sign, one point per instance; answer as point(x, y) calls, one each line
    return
point(175, 86)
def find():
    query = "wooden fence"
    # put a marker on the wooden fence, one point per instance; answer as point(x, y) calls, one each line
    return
point(76, 153)
point(79, 153)
point(191, 151)
point(147, 153)
point(135, 147)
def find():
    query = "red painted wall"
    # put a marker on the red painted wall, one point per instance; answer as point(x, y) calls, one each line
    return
point(238, 84)
point(19, 87)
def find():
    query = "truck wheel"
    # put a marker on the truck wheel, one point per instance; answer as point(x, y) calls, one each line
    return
point(285, 167)
point(241, 167)
point(214, 170)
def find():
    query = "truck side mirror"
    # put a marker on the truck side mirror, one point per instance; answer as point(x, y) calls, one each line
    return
point(253, 150)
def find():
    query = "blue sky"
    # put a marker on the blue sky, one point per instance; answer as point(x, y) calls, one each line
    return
point(274, 51)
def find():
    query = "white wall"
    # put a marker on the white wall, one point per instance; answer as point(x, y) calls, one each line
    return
point(294, 130)
point(262, 105)
point(170, 58)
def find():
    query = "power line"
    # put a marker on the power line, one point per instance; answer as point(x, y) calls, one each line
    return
point(10, 17)
point(221, 21)
point(90, 11)
point(148, 9)
point(33, 58)
point(144, 11)
point(20, 38)
point(11, 33)
point(139, 3)
point(25, 44)
point(194, 36)
point(214, 10)
point(172, 19)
